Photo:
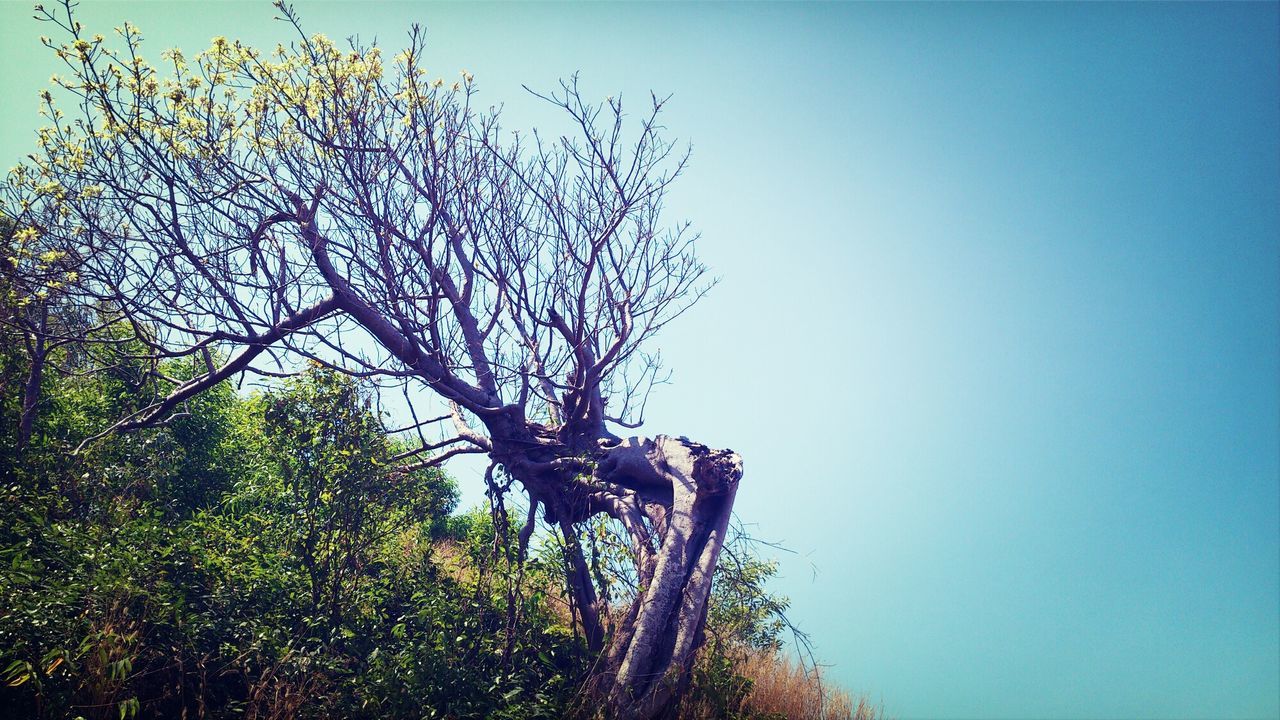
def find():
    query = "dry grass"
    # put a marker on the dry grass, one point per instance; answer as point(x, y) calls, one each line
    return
point(781, 689)
point(448, 555)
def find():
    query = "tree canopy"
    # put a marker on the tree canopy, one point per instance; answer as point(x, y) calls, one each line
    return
point(310, 199)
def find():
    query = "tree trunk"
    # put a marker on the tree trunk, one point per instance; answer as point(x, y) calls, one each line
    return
point(31, 393)
point(679, 493)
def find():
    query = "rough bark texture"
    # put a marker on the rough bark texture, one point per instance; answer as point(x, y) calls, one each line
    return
point(651, 657)
point(674, 497)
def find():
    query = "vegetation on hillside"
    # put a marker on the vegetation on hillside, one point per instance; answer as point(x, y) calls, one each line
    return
point(258, 558)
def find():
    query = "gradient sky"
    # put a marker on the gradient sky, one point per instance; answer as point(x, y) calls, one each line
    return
point(999, 328)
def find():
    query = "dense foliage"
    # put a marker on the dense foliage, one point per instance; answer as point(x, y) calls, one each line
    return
point(250, 559)
point(256, 557)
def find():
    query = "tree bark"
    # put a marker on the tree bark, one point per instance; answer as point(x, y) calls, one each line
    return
point(31, 392)
point(672, 608)
point(675, 498)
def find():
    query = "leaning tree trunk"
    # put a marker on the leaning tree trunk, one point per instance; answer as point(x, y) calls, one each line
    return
point(674, 497)
point(652, 655)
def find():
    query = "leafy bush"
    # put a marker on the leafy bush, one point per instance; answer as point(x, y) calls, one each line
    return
point(256, 558)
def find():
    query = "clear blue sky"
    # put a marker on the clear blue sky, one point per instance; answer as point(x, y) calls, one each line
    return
point(999, 330)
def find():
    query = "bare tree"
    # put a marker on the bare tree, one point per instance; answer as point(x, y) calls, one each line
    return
point(247, 209)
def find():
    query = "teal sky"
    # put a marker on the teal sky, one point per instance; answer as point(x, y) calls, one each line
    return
point(999, 328)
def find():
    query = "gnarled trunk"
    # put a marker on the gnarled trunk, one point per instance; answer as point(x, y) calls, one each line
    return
point(675, 498)
point(653, 657)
